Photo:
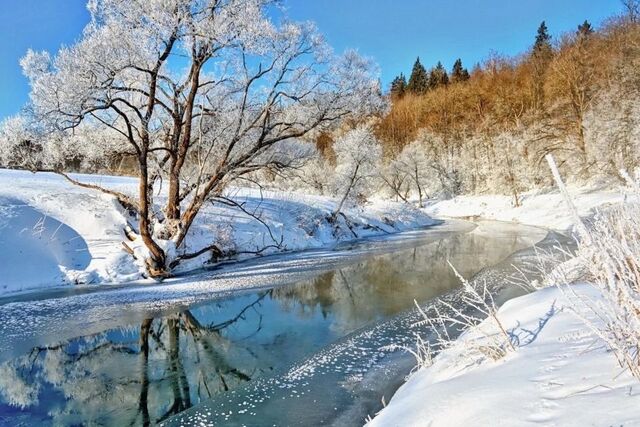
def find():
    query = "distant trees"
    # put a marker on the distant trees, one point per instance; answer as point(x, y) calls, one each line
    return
point(578, 98)
point(419, 79)
point(459, 73)
point(398, 86)
point(438, 76)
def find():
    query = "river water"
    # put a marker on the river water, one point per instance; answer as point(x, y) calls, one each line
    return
point(300, 339)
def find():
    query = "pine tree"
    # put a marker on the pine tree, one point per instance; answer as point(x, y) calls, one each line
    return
point(541, 57)
point(458, 72)
point(398, 86)
point(438, 76)
point(543, 40)
point(584, 30)
point(419, 80)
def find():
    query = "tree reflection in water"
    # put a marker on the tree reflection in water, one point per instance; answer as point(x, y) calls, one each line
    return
point(132, 376)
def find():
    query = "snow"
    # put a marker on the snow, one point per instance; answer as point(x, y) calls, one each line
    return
point(53, 233)
point(560, 374)
point(538, 208)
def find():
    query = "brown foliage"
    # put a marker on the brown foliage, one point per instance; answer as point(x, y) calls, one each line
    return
point(504, 95)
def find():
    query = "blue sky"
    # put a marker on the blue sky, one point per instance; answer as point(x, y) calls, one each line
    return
point(392, 32)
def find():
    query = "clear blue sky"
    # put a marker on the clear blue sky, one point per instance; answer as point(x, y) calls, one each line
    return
point(392, 32)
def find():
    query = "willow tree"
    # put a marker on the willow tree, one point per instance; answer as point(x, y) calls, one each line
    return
point(199, 93)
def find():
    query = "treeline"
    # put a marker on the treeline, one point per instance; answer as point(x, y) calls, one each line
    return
point(489, 129)
point(422, 81)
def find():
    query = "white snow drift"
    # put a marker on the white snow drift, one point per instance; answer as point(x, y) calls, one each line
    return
point(561, 374)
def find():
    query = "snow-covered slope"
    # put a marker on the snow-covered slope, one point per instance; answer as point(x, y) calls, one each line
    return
point(560, 375)
point(543, 209)
point(53, 233)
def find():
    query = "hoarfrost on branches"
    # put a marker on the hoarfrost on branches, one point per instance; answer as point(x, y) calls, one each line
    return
point(196, 94)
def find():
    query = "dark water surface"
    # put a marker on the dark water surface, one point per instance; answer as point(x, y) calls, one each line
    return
point(305, 343)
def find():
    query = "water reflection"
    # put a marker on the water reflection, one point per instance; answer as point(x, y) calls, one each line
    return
point(142, 374)
point(135, 375)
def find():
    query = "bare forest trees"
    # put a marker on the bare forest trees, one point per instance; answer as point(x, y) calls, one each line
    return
point(200, 93)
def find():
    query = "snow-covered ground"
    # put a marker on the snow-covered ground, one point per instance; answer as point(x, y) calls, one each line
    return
point(560, 374)
point(540, 208)
point(54, 233)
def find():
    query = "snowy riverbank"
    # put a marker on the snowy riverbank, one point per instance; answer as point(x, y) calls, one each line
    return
point(539, 208)
point(53, 233)
point(560, 374)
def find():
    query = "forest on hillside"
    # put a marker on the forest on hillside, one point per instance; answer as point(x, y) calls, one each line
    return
point(488, 130)
point(433, 133)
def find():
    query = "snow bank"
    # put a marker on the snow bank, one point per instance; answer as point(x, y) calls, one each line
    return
point(561, 374)
point(54, 233)
point(537, 208)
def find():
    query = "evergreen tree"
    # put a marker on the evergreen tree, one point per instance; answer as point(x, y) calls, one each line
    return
point(458, 72)
point(543, 40)
point(438, 76)
point(419, 80)
point(541, 57)
point(398, 86)
point(584, 30)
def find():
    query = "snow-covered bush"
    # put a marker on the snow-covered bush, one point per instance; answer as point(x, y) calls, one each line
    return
point(17, 145)
point(475, 315)
point(358, 162)
point(612, 258)
point(608, 256)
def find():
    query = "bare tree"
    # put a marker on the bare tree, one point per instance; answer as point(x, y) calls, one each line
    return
point(632, 7)
point(250, 86)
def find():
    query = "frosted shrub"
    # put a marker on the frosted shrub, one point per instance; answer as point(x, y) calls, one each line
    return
point(609, 254)
point(475, 315)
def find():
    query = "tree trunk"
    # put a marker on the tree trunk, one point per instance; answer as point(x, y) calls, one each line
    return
point(346, 194)
point(156, 265)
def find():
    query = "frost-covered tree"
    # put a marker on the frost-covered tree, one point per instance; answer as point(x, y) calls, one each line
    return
point(199, 93)
point(411, 172)
point(358, 159)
